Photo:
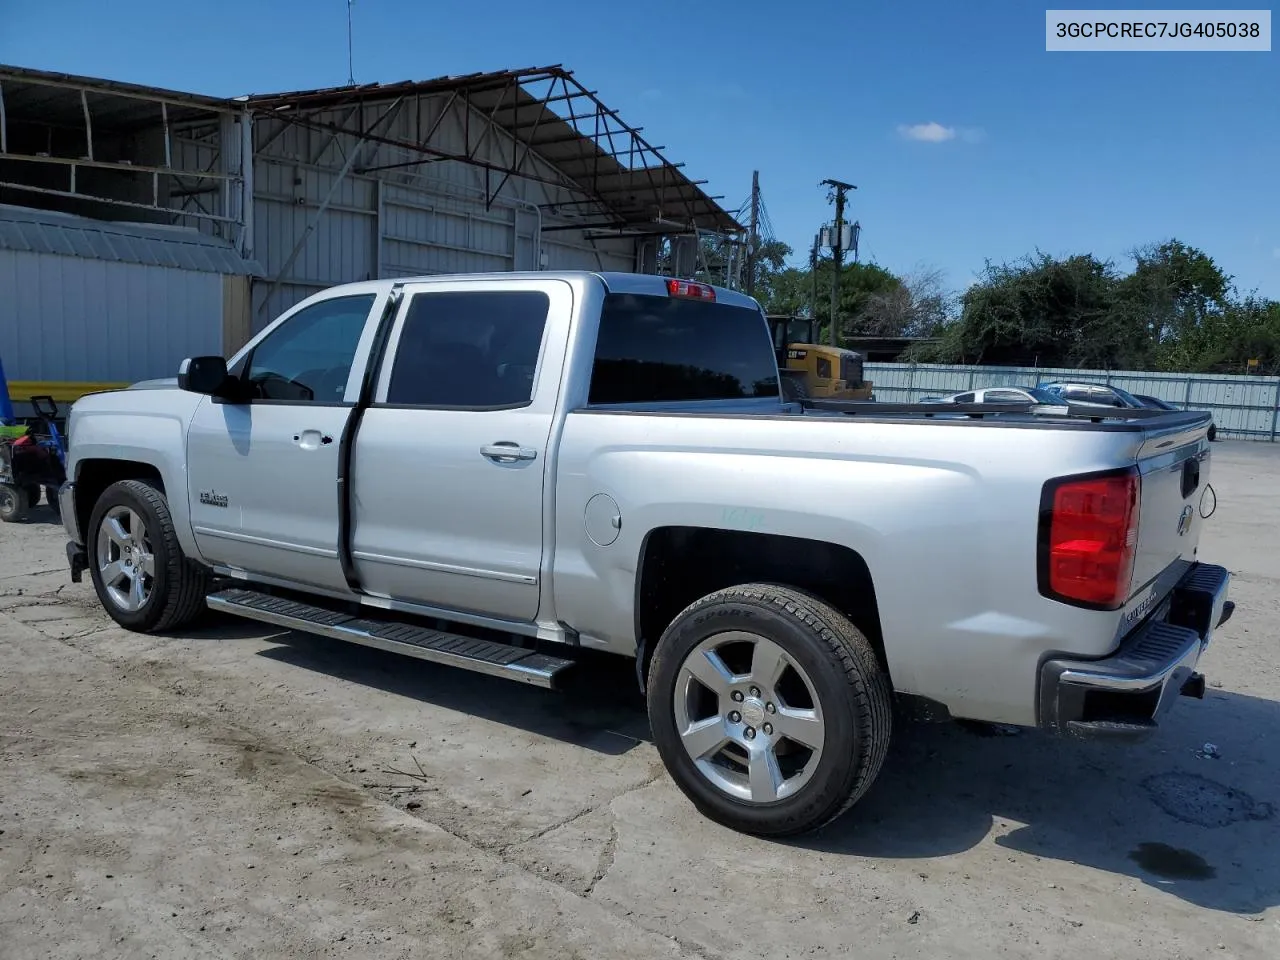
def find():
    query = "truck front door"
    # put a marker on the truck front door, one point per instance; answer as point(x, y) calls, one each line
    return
point(450, 461)
point(262, 475)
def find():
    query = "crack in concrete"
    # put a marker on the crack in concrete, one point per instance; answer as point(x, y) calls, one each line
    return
point(605, 864)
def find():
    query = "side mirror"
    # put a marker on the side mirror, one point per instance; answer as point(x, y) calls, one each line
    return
point(206, 375)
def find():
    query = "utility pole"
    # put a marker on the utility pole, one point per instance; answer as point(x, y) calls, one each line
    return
point(753, 240)
point(813, 276)
point(837, 250)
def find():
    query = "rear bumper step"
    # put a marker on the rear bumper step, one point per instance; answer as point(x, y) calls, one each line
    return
point(454, 650)
point(1125, 695)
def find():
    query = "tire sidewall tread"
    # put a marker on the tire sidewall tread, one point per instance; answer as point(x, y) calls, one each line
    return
point(180, 585)
point(847, 675)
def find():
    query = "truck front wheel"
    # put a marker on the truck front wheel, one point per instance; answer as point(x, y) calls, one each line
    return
point(142, 578)
point(770, 709)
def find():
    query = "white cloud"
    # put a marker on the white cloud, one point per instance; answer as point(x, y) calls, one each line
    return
point(927, 132)
point(934, 132)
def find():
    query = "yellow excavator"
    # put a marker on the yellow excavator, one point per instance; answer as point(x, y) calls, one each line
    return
point(811, 370)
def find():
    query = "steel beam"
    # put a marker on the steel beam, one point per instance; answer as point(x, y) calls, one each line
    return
point(517, 161)
point(171, 211)
point(488, 124)
point(88, 125)
point(123, 167)
point(333, 189)
point(168, 148)
point(246, 185)
point(111, 91)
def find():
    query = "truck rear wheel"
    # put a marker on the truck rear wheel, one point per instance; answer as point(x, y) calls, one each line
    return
point(142, 578)
point(770, 709)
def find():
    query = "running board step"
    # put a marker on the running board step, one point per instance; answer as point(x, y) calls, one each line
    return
point(451, 649)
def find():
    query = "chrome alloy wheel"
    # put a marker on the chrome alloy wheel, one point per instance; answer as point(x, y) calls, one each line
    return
point(125, 562)
point(749, 717)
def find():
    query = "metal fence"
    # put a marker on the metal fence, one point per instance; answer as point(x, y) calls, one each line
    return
point(1243, 407)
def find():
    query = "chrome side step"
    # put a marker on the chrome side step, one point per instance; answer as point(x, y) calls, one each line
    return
point(451, 649)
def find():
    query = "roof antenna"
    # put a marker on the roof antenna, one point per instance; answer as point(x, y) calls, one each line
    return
point(351, 69)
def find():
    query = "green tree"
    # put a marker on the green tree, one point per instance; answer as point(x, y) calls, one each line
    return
point(1039, 311)
point(1173, 291)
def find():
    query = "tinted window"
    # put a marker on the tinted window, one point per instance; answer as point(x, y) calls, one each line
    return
point(1125, 397)
point(963, 398)
point(1044, 396)
point(663, 348)
point(469, 349)
point(308, 357)
point(824, 368)
point(1004, 396)
point(1079, 394)
point(851, 368)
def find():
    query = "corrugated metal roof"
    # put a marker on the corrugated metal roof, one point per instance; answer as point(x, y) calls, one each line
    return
point(583, 139)
point(45, 231)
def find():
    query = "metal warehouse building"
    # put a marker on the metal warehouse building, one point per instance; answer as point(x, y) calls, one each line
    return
point(139, 225)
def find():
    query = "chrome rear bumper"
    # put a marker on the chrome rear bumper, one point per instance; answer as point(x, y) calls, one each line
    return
point(1126, 693)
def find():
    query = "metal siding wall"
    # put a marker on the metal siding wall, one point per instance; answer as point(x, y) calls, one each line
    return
point(431, 222)
point(1243, 407)
point(70, 318)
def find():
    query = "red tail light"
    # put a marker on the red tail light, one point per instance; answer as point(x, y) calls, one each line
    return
point(691, 290)
point(1088, 536)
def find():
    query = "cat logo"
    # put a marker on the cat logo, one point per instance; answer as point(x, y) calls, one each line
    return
point(1184, 521)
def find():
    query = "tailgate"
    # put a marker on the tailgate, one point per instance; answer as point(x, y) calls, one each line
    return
point(1174, 463)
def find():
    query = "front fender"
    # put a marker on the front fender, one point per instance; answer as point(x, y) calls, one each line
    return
point(147, 427)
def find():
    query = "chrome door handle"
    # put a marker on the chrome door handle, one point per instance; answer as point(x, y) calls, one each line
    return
point(310, 439)
point(507, 452)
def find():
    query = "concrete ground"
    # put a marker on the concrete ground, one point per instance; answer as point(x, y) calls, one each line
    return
point(237, 793)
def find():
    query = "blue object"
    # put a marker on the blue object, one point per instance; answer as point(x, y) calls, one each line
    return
point(6, 406)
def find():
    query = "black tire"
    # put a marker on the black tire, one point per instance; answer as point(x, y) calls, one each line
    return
point(851, 689)
point(51, 497)
point(13, 503)
point(179, 584)
point(1213, 432)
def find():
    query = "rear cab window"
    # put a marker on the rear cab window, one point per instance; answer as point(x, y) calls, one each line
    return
point(663, 349)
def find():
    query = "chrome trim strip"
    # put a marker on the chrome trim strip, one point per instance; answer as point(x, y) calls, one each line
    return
point(520, 628)
point(438, 567)
point(267, 542)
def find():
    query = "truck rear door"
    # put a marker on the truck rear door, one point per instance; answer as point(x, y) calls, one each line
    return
point(450, 460)
point(1174, 466)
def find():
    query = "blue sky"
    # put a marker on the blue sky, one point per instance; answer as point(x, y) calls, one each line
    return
point(1095, 152)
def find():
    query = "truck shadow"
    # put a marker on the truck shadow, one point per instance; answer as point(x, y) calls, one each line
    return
point(599, 708)
point(1193, 822)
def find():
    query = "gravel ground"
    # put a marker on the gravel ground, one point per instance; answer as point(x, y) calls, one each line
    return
point(238, 792)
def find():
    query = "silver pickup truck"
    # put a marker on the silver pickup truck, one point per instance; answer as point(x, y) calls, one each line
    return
point(494, 472)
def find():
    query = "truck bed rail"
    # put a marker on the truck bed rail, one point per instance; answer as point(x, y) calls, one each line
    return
point(1065, 411)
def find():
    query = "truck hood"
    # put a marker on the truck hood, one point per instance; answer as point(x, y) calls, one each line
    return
point(165, 383)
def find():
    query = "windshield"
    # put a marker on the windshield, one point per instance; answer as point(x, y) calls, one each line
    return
point(1044, 396)
point(1126, 397)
